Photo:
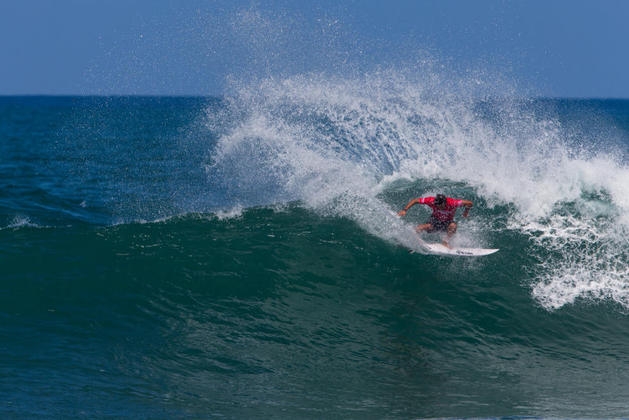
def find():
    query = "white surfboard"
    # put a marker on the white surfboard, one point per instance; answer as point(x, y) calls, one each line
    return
point(440, 249)
point(435, 248)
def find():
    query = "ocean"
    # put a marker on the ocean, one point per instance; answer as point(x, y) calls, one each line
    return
point(239, 256)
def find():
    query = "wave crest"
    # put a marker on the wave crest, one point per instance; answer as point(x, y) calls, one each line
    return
point(340, 146)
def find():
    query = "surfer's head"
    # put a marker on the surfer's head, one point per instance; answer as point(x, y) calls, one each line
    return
point(440, 200)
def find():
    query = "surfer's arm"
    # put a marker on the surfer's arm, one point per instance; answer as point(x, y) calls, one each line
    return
point(409, 205)
point(468, 205)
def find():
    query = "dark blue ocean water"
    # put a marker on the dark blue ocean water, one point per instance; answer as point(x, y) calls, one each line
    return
point(237, 257)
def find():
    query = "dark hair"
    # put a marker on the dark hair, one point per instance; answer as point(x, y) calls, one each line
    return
point(440, 199)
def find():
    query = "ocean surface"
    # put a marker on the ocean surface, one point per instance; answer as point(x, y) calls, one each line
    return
point(239, 257)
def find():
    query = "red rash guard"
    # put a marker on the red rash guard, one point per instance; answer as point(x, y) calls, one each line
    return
point(443, 215)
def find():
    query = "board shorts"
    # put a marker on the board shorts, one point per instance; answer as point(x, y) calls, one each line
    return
point(440, 225)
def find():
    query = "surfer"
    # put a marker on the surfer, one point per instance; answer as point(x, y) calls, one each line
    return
point(443, 211)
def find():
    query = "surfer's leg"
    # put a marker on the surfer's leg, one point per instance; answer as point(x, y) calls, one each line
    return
point(451, 229)
point(426, 227)
point(450, 233)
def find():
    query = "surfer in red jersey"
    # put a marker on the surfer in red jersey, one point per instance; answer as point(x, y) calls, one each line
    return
point(443, 211)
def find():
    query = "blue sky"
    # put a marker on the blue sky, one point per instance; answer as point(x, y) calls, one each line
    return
point(560, 48)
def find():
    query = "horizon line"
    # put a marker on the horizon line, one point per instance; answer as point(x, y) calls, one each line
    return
point(170, 95)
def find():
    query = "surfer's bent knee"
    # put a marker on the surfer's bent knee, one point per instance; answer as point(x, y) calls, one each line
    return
point(452, 227)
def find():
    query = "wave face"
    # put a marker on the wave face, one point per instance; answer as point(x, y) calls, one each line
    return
point(240, 256)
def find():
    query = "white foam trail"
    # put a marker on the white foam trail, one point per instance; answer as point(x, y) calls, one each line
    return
point(232, 213)
point(20, 222)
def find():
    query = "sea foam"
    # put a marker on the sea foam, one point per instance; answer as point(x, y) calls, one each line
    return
point(337, 145)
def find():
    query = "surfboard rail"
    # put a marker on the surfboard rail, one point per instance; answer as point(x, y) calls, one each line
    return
point(440, 249)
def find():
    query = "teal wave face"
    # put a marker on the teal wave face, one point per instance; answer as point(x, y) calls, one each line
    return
point(273, 300)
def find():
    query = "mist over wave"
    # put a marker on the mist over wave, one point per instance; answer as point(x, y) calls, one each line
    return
point(360, 148)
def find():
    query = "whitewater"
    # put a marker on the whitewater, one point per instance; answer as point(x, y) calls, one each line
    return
point(341, 146)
